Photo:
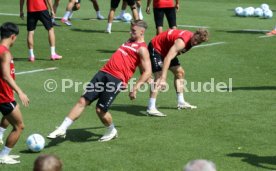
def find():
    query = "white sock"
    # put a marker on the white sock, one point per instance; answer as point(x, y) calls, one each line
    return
point(112, 126)
point(53, 50)
point(2, 130)
point(180, 97)
point(66, 123)
point(275, 28)
point(5, 151)
point(109, 25)
point(31, 53)
point(98, 13)
point(66, 15)
point(151, 104)
point(71, 14)
point(53, 20)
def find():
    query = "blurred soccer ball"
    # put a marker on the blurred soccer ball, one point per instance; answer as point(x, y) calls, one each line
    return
point(249, 11)
point(268, 14)
point(35, 142)
point(265, 7)
point(258, 12)
point(239, 11)
point(127, 17)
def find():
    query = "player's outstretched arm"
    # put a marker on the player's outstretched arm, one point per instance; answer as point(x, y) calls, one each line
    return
point(145, 68)
point(21, 9)
point(174, 50)
point(5, 67)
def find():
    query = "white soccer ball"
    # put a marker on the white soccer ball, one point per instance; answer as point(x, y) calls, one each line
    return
point(239, 11)
point(268, 14)
point(265, 6)
point(35, 142)
point(249, 11)
point(127, 17)
point(258, 12)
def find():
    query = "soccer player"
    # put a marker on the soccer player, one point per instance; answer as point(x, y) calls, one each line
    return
point(123, 10)
point(164, 49)
point(272, 33)
point(37, 10)
point(160, 8)
point(8, 106)
point(105, 85)
point(74, 5)
point(114, 4)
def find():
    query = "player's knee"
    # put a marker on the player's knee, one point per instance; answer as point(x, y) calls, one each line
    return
point(19, 127)
point(99, 111)
point(83, 102)
point(180, 74)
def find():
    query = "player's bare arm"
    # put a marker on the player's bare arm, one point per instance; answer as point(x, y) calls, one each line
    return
point(148, 6)
point(51, 8)
point(21, 9)
point(5, 67)
point(177, 5)
point(174, 50)
point(145, 69)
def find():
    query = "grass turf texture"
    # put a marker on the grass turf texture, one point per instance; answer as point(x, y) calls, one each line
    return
point(234, 129)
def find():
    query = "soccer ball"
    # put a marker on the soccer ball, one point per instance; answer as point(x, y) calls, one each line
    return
point(258, 12)
point(126, 17)
point(265, 7)
point(239, 11)
point(268, 14)
point(248, 11)
point(35, 142)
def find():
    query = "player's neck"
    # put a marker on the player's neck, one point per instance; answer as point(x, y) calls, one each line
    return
point(140, 40)
point(6, 43)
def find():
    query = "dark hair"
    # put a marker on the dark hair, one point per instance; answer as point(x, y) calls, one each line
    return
point(7, 29)
point(139, 23)
point(46, 162)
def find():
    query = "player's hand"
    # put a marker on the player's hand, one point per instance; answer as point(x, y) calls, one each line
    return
point(132, 95)
point(24, 99)
point(148, 10)
point(161, 84)
point(177, 7)
point(22, 15)
point(150, 80)
point(53, 14)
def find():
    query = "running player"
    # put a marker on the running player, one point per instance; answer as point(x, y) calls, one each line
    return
point(8, 106)
point(164, 49)
point(106, 84)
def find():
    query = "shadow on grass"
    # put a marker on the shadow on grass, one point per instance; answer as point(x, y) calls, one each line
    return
point(105, 51)
point(255, 160)
point(136, 110)
point(26, 59)
point(244, 31)
point(252, 88)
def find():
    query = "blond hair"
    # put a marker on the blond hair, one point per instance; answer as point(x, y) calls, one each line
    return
point(201, 35)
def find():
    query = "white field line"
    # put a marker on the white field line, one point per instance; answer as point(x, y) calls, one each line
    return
point(210, 44)
point(37, 70)
point(265, 36)
point(191, 26)
point(9, 14)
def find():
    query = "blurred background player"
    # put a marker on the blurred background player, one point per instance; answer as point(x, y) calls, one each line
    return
point(8, 106)
point(114, 75)
point(37, 10)
point(46, 162)
point(161, 8)
point(123, 10)
point(74, 5)
point(113, 5)
point(272, 33)
point(164, 49)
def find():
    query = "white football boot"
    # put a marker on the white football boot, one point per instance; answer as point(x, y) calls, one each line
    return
point(57, 133)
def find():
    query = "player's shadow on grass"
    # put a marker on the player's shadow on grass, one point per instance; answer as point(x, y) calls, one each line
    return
point(96, 31)
point(252, 88)
point(255, 160)
point(26, 59)
point(105, 51)
point(136, 110)
point(77, 135)
point(244, 31)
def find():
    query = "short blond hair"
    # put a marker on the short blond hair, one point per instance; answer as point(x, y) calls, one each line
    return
point(139, 23)
point(201, 35)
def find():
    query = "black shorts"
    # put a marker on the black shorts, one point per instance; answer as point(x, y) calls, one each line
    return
point(114, 3)
point(104, 87)
point(7, 108)
point(159, 16)
point(43, 16)
point(157, 60)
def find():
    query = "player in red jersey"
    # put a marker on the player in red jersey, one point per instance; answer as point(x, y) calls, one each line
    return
point(107, 83)
point(8, 106)
point(164, 49)
point(37, 10)
point(161, 8)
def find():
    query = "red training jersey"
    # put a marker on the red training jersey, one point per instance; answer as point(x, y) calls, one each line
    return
point(163, 4)
point(165, 40)
point(124, 61)
point(6, 92)
point(36, 5)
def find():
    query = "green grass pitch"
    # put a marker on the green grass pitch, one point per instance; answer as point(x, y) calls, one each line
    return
point(234, 129)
